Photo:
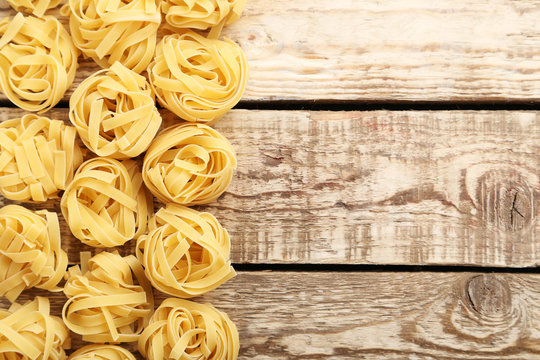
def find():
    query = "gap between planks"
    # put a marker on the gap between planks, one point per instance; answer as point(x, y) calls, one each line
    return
point(347, 105)
point(347, 268)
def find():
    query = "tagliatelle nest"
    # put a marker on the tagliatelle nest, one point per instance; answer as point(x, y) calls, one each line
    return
point(105, 304)
point(29, 332)
point(114, 112)
point(30, 251)
point(106, 204)
point(201, 14)
point(37, 61)
point(35, 7)
point(101, 352)
point(38, 158)
point(182, 329)
point(110, 31)
point(198, 78)
point(189, 164)
point(186, 252)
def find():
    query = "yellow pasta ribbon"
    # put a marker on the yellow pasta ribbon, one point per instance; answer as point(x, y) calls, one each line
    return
point(30, 251)
point(104, 303)
point(37, 61)
point(201, 14)
point(29, 332)
point(186, 252)
point(182, 329)
point(189, 164)
point(111, 30)
point(114, 112)
point(35, 7)
point(106, 204)
point(101, 352)
point(197, 78)
point(38, 158)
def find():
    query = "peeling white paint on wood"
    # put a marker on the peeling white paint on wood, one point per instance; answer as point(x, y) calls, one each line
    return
point(373, 50)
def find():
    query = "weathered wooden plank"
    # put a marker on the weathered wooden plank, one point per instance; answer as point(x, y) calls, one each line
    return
point(387, 50)
point(454, 187)
point(387, 315)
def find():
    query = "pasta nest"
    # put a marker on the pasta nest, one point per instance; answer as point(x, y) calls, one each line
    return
point(186, 253)
point(38, 158)
point(106, 204)
point(101, 352)
point(29, 332)
point(189, 164)
point(114, 112)
point(201, 14)
point(30, 251)
point(36, 67)
point(104, 303)
point(109, 31)
point(197, 78)
point(34, 7)
point(182, 329)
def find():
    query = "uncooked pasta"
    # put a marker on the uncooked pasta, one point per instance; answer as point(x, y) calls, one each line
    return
point(29, 332)
point(201, 14)
point(106, 204)
point(189, 164)
point(114, 112)
point(186, 252)
point(182, 329)
point(38, 158)
point(110, 31)
point(109, 299)
point(34, 7)
point(198, 78)
point(101, 352)
point(37, 61)
point(30, 251)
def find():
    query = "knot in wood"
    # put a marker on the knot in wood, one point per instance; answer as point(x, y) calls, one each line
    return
point(506, 200)
point(489, 296)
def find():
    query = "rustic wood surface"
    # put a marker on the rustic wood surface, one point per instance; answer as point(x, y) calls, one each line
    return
point(374, 50)
point(374, 315)
point(379, 187)
point(414, 188)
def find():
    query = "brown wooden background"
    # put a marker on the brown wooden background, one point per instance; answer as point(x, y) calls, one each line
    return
point(385, 203)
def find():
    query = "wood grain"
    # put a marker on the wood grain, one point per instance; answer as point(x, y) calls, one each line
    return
point(382, 315)
point(451, 187)
point(371, 50)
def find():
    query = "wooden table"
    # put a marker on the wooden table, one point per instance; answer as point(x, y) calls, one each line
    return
point(365, 233)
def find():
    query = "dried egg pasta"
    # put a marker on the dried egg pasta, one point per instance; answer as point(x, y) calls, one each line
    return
point(201, 14)
point(197, 78)
point(182, 329)
point(110, 31)
point(37, 61)
point(38, 158)
point(35, 7)
point(114, 112)
point(189, 164)
point(186, 252)
point(101, 352)
point(29, 332)
point(30, 251)
point(104, 302)
point(106, 204)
